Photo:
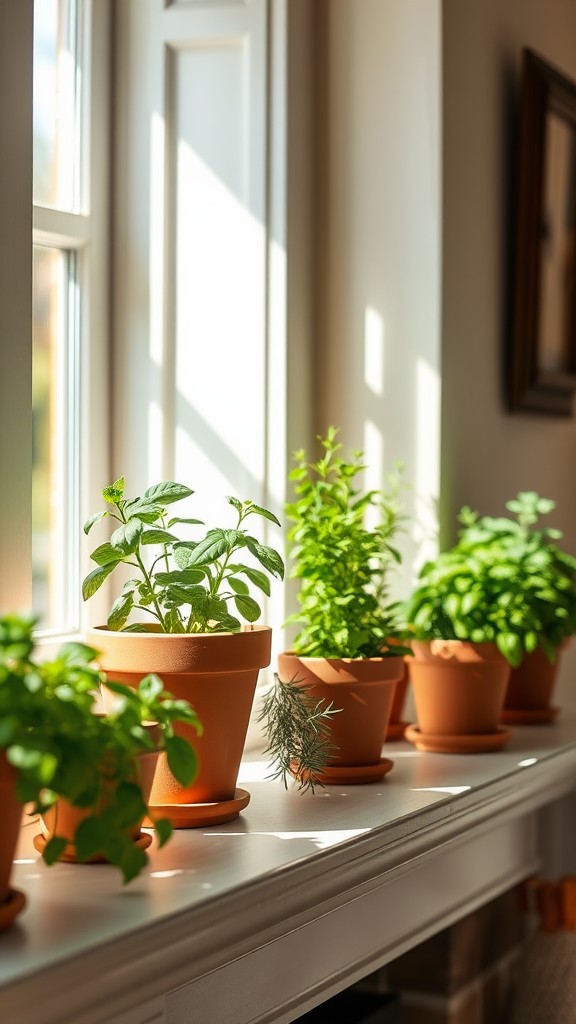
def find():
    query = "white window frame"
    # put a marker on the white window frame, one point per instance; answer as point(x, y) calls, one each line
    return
point(86, 235)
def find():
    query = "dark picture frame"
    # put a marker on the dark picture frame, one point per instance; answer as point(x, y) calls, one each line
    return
point(542, 364)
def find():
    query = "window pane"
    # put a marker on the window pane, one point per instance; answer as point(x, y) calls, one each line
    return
point(56, 85)
point(55, 526)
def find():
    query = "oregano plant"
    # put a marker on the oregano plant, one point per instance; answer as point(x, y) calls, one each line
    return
point(62, 749)
point(505, 581)
point(341, 560)
point(185, 584)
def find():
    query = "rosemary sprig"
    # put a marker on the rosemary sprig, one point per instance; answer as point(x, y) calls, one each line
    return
point(299, 743)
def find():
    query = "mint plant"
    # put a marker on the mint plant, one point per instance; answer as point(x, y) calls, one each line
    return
point(343, 564)
point(505, 581)
point(186, 585)
point(62, 749)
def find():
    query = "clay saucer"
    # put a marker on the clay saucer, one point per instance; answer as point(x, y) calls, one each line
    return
point(201, 815)
point(69, 857)
point(473, 743)
point(353, 774)
point(528, 716)
point(395, 730)
point(10, 908)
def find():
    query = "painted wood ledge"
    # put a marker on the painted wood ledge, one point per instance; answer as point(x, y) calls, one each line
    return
point(257, 921)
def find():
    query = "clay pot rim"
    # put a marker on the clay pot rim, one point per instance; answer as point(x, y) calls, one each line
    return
point(154, 633)
point(439, 650)
point(345, 661)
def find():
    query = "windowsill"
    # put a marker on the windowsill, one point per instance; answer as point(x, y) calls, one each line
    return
point(297, 898)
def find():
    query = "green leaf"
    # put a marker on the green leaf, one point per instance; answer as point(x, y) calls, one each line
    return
point(132, 861)
point(235, 502)
point(73, 652)
point(92, 520)
point(127, 536)
point(150, 687)
point(120, 610)
point(54, 849)
point(163, 830)
point(264, 512)
point(510, 646)
point(182, 554)
point(114, 492)
point(247, 607)
point(158, 537)
point(208, 550)
point(106, 553)
point(182, 759)
point(184, 576)
point(267, 557)
point(238, 586)
point(259, 579)
point(90, 838)
point(130, 807)
point(167, 492)
point(95, 579)
point(186, 522)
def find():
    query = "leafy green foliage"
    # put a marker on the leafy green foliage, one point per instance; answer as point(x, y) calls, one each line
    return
point(298, 733)
point(62, 749)
point(188, 585)
point(505, 581)
point(342, 563)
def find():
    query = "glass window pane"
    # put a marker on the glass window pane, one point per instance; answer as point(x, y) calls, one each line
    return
point(56, 105)
point(55, 526)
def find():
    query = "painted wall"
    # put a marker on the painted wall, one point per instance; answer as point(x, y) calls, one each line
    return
point(378, 242)
point(414, 194)
point(487, 454)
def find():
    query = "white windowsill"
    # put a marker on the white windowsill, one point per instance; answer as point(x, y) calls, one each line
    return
point(299, 897)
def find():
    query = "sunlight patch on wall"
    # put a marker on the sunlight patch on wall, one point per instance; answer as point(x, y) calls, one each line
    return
point(427, 462)
point(373, 448)
point(374, 351)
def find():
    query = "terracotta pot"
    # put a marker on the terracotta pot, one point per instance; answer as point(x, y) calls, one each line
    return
point(217, 673)
point(459, 689)
point(364, 689)
point(63, 818)
point(396, 724)
point(530, 690)
point(11, 901)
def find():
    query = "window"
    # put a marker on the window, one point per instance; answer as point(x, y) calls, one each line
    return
point(69, 196)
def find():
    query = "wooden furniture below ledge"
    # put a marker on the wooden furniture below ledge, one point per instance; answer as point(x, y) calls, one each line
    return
point(259, 920)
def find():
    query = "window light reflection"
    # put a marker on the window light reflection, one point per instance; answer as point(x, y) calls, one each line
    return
point(527, 762)
point(452, 790)
point(322, 840)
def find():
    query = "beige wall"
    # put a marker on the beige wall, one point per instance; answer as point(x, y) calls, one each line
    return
point(378, 240)
point(488, 454)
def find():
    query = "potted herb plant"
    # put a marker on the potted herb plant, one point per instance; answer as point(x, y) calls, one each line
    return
point(342, 657)
point(548, 578)
point(194, 592)
point(476, 612)
point(75, 765)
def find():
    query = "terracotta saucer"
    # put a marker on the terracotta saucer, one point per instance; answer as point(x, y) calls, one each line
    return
point(474, 743)
point(200, 815)
point(353, 774)
point(10, 908)
point(69, 857)
point(528, 716)
point(395, 730)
